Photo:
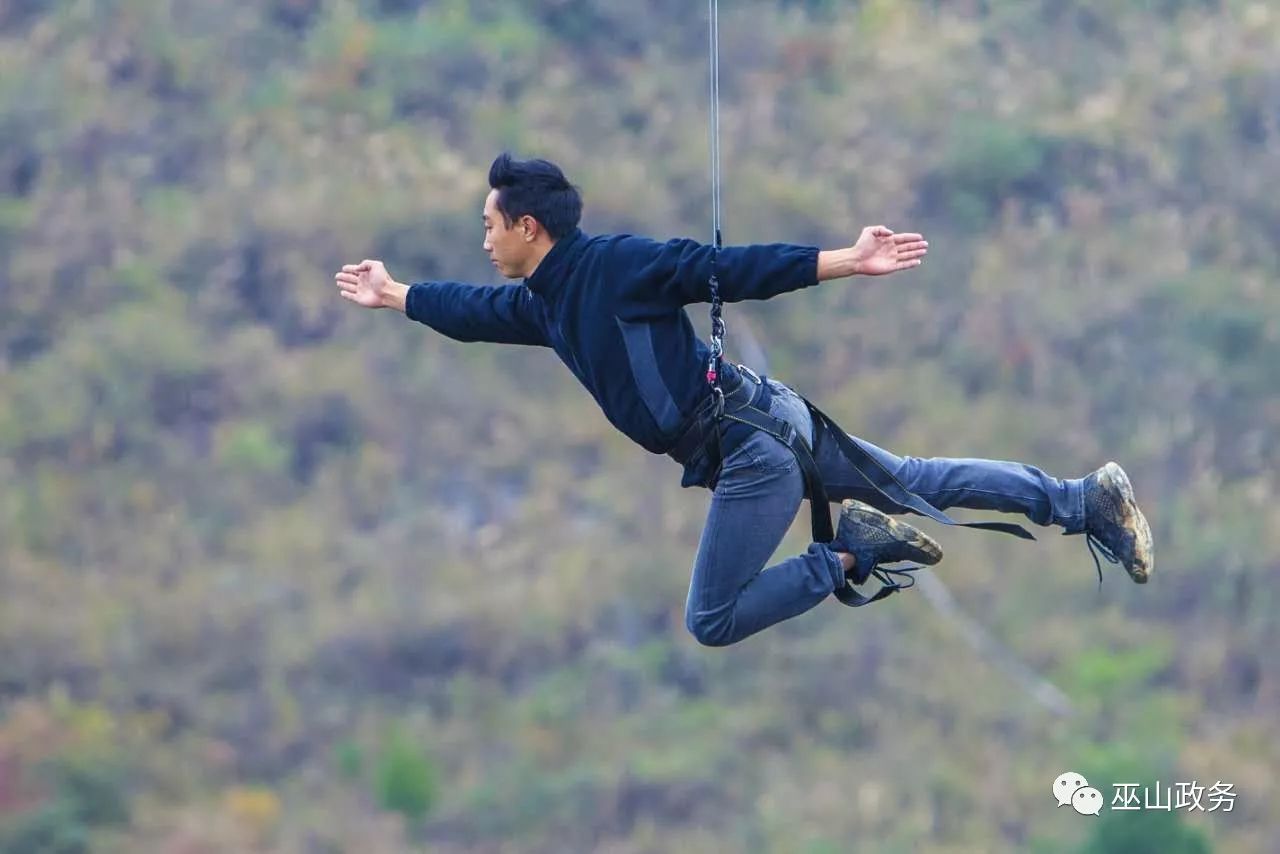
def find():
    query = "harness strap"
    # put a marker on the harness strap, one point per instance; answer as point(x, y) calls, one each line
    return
point(890, 487)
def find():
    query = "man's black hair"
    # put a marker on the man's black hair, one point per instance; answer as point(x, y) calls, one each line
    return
point(536, 188)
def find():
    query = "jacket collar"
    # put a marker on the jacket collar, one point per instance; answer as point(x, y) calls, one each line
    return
point(557, 263)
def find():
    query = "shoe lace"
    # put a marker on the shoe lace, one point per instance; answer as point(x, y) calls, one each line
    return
point(888, 578)
point(883, 574)
point(1093, 541)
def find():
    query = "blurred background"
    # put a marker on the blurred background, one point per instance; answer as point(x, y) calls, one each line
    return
point(281, 575)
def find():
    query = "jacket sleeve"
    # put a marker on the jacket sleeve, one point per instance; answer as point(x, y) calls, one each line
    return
point(501, 314)
point(679, 271)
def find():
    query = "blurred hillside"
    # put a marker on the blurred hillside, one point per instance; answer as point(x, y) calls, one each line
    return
point(280, 575)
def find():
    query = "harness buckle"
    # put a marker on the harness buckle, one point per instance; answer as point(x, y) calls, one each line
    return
point(717, 394)
point(754, 376)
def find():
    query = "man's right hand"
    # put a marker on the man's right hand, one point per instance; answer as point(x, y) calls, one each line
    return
point(370, 285)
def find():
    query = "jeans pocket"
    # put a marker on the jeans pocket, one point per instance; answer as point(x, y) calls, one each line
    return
point(762, 453)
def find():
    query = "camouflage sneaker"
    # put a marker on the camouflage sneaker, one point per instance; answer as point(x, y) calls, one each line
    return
point(1113, 523)
point(875, 538)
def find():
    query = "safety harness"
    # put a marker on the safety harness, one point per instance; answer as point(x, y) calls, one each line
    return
point(703, 435)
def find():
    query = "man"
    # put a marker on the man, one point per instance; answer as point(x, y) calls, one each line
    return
point(612, 308)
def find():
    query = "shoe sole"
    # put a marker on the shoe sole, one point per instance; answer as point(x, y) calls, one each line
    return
point(927, 550)
point(1143, 556)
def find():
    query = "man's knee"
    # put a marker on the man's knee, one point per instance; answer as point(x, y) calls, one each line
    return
point(710, 628)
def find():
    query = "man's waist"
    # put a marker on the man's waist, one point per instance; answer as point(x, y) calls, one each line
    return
point(740, 386)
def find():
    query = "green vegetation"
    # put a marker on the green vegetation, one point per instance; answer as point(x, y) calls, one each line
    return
point(281, 575)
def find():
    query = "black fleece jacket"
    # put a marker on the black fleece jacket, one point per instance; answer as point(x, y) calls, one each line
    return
point(612, 307)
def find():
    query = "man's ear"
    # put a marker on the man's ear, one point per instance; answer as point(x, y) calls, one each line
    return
point(529, 228)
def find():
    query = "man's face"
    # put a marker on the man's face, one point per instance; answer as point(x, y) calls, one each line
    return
point(506, 246)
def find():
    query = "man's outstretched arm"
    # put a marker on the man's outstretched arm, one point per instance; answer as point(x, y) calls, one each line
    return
point(877, 252)
point(501, 314)
point(680, 270)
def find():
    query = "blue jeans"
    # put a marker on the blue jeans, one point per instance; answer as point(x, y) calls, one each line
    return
point(732, 595)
